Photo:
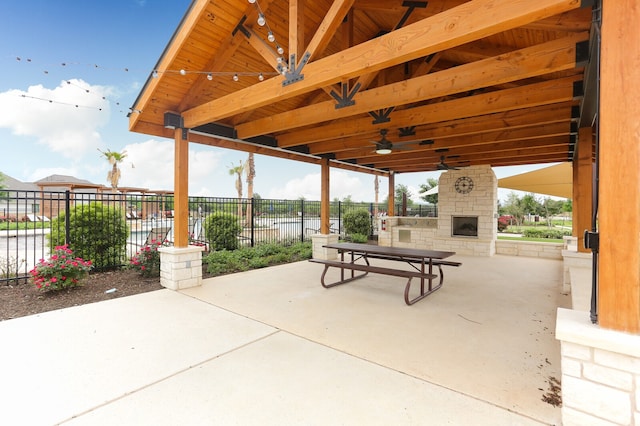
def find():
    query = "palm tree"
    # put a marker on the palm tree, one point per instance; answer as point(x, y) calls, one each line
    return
point(237, 170)
point(250, 172)
point(114, 158)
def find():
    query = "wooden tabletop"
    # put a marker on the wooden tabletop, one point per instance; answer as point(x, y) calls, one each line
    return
point(391, 251)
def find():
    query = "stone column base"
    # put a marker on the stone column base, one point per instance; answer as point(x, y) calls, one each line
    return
point(600, 372)
point(180, 267)
point(323, 253)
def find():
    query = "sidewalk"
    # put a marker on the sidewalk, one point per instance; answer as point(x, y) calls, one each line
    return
point(272, 346)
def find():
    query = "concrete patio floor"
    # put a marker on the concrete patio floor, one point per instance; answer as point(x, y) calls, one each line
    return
point(272, 346)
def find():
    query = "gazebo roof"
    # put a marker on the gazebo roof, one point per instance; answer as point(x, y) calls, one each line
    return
point(448, 82)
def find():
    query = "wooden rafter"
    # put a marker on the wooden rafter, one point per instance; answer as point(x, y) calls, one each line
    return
point(542, 59)
point(450, 28)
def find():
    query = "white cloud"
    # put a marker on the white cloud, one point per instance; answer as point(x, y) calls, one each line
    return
point(150, 165)
point(43, 172)
point(342, 184)
point(65, 118)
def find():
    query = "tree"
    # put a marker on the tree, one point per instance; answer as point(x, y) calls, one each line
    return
point(237, 170)
point(250, 172)
point(431, 183)
point(400, 190)
point(114, 158)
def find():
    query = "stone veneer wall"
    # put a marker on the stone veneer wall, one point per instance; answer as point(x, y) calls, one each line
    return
point(600, 372)
point(482, 201)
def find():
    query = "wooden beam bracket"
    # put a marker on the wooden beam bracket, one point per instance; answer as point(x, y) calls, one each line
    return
point(382, 115)
point(346, 99)
point(296, 75)
point(240, 27)
point(404, 132)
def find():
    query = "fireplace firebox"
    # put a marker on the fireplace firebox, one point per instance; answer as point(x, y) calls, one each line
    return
point(464, 226)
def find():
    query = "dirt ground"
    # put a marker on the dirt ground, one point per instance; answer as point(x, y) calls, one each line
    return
point(18, 300)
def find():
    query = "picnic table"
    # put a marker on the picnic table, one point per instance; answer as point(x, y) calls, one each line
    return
point(355, 257)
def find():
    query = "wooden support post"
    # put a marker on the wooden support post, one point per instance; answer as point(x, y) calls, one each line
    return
point(619, 183)
point(583, 187)
point(392, 195)
point(181, 190)
point(325, 205)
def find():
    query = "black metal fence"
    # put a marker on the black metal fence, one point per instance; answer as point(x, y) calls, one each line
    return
point(31, 222)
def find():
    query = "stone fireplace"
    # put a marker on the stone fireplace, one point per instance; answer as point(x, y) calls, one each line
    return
point(467, 214)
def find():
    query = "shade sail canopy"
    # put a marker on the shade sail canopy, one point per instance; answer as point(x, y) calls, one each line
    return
point(555, 180)
point(432, 191)
point(460, 82)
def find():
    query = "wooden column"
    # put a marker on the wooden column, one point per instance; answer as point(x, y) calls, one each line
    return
point(619, 188)
point(181, 190)
point(583, 186)
point(325, 205)
point(392, 195)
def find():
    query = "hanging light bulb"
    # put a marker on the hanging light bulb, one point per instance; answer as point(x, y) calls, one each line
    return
point(271, 37)
point(261, 20)
point(209, 77)
point(155, 74)
point(183, 72)
point(235, 77)
point(252, 1)
point(279, 59)
point(260, 77)
point(280, 50)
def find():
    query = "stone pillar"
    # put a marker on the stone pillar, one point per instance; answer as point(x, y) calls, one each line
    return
point(323, 253)
point(180, 267)
point(600, 372)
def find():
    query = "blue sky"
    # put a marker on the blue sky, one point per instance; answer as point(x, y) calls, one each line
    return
point(70, 71)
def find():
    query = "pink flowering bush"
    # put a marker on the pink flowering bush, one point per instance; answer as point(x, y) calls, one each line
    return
point(62, 270)
point(147, 260)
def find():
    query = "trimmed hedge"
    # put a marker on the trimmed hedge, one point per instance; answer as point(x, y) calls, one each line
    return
point(550, 233)
point(246, 258)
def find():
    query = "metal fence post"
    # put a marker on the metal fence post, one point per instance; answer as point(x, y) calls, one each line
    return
point(67, 218)
point(302, 220)
point(252, 219)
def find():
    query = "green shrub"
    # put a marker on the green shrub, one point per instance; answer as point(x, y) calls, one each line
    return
point(225, 261)
point(357, 222)
point(222, 231)
point(97, 232)
point(550, 233)
point(359, 238)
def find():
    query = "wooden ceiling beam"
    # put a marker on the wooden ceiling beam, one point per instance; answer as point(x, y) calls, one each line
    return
point(532, 61)
point(551, 145)
point(328, 27)
point(467, 22)
point(510, 120)
point(532, 95)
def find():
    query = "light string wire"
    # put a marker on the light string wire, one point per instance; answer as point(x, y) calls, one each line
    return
point(262, 21)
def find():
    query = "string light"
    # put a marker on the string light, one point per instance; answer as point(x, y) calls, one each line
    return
point(262, 21)
point(260, 77)
point(235, 77)
point(209, 76)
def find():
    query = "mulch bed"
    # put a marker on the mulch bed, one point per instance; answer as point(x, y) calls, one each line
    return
point(18, 300)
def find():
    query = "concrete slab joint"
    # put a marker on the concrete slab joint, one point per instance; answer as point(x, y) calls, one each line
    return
point(180, 267)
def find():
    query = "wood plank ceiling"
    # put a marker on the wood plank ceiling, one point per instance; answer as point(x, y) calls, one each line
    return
point(495, 82)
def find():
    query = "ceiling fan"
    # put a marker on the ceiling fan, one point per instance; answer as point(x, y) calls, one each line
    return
point(444, 166)
point(385, 146)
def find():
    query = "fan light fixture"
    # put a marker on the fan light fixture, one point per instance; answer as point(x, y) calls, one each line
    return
point(383, 150)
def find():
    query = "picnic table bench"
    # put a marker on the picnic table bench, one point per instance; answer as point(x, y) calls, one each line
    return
point(422, 262)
